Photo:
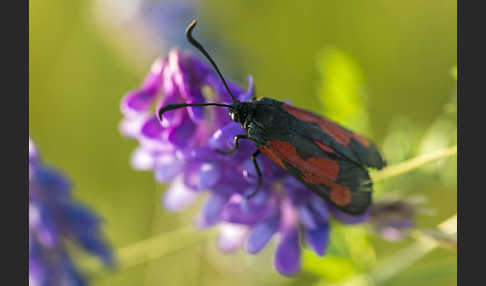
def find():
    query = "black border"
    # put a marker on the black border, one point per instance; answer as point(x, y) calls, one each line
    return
point(14, 212)
point(471, 190)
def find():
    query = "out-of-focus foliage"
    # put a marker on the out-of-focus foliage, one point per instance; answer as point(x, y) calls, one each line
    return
point(380, 67)
point(342, 90)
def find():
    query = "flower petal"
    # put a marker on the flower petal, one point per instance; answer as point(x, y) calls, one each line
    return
point(142, 159)
point(249, 93)
point(212, 209)
point(261, 234)
point(287, 257)
point(317, 239)
point(347, 218)
point(151, 128)
point(178, 196)
point(138, 101)
point(201, 176)
point(167, 166)
point(239, 210)
point(306, 218)
point(223, 138)
point(181, 135)
point(231, 237)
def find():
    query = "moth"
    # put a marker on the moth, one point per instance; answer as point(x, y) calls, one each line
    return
point(328, 158)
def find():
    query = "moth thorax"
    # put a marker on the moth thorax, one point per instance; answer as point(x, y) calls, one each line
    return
point(239, 112)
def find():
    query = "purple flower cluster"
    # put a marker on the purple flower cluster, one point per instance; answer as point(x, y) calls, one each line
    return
point(55, 221)
point(181, 149)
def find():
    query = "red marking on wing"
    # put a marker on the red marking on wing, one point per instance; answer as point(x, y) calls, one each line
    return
point(340, 195)
point(314, 170)
point(272, 156)
point(319, 167)
point(324, 147)
point(340, 134)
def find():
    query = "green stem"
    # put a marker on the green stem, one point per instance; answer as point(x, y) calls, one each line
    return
point(412, 164)
point(398, 262)
point(153, 248)
point(423, 245)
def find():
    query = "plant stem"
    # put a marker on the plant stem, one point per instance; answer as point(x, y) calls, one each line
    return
point(394, 264)
point(404, 258)
point(412, 164)
point(153, 248)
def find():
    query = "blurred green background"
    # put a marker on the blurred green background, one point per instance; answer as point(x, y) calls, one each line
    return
point(384, 68)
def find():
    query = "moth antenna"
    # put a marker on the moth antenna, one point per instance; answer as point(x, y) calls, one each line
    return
point(181, 105)
point(198, 46)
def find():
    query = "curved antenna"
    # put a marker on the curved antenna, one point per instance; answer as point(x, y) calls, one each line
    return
point(181, 105)
point(203, 51)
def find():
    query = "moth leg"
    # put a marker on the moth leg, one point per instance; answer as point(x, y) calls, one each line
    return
point(235, 145)
point(259, 173)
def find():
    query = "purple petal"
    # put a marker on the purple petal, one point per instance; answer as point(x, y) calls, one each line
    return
point(152, 136)
point(307, 218)
point(172, 117)
point(347, 218)
point(261, 234)
point(47, 230)
point(239, 210)
point(212, 209)
point(186, 78)
point(287, 257)
point(248, 94)
point(136, 102)
point(391, 234)
point(178, 196)
point(249, 172)
point(139, 101)
point(201, 154)
point(130, 127)
point(317, 239)
point(167, 166)
point(32, 151)
point(153, 80)
point(202, 176)
point(209, 175)
point(261, 197)
point(152, 129)
point(231, 237)
point(319, 207)
point(196, 113)
point(181, 135)
point(223, 138)
point(34, 215)
point(142, 159)
point(292, 183)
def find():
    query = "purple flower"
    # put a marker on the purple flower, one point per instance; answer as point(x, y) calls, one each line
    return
point(181, 150)
point(392, 218)
point(54, 221)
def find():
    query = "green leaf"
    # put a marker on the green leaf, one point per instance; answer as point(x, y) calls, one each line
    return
point(341, 90)
point(331, 268)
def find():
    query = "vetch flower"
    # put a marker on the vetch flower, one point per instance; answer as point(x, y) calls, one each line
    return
point(392, 218)
point(56, 221)
point(182, 150)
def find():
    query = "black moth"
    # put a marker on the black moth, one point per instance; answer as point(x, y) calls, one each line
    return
point(328, 158)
